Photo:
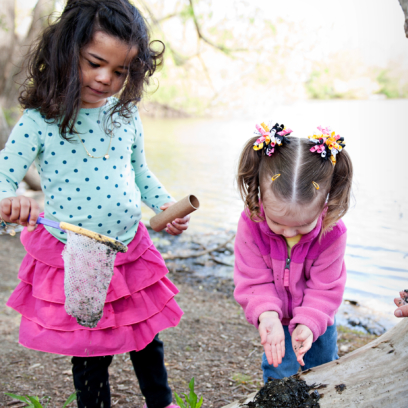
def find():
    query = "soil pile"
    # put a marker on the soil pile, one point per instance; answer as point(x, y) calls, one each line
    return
point(289, 392)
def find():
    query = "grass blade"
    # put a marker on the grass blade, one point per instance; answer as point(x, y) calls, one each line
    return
point(18, 397)
point(179, 401)
point(71, 398)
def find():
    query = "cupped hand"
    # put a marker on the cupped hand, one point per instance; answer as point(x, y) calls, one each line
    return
point(19, 209)
point(177, 226)
point(272, 337)
point(402, 303)
point(302, 339)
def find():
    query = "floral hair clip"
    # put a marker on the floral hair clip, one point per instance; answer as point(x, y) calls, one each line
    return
point(268, 139)
point(327, 143)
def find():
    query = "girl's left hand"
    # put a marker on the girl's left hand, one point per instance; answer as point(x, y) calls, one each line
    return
point(302, 339)
point(178, 225)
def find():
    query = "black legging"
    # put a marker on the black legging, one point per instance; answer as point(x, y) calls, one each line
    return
point(91, 377)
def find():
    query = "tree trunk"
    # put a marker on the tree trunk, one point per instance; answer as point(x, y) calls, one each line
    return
point(14, 73)
point(375, 375)
point(404, 5)
point(7, 39)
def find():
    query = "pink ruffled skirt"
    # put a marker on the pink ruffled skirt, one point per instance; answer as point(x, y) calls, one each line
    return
point(139, 303)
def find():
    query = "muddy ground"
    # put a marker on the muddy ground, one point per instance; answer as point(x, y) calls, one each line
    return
point(213, 343)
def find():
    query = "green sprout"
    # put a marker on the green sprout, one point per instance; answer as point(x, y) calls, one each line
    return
point(191, 399)
point(34, 402)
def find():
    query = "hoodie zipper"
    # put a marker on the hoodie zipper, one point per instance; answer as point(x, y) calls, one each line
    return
point(286, 285)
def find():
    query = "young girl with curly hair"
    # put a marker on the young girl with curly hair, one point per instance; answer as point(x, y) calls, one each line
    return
point(82, 129)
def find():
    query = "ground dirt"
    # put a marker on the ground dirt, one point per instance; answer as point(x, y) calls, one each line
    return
point(213, 343)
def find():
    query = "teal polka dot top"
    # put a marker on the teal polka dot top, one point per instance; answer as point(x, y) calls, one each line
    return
point(102, 195)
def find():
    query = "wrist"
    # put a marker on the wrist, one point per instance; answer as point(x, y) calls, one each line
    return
point(269, 314)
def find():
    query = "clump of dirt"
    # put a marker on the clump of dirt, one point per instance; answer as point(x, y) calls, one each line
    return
point(340, 388)
point(290, 392)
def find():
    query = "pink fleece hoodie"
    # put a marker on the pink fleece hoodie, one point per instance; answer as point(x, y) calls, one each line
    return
point(306, 290)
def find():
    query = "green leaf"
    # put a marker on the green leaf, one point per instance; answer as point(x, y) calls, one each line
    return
point(35, 402)
point(193, 396)
point(179, 401)
point(187, 399)
point(71, 398)
point(200, 402)
point(18, 397)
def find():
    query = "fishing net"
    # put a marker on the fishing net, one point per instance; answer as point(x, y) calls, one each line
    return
point(88, 272)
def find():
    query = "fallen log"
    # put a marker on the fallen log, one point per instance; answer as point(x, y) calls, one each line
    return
point(373, 376)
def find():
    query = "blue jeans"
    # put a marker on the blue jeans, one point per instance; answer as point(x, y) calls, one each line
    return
point(323, 350)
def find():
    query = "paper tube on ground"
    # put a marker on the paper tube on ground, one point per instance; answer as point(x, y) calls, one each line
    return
point(178, 210)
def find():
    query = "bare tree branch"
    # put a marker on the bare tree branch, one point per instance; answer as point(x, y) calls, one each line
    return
point(221, 48)
point(168, 17)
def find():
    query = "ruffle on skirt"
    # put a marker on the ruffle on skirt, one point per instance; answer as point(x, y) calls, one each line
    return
point(139, 303)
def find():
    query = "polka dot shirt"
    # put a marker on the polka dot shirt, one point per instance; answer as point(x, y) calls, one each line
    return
point(102, 195)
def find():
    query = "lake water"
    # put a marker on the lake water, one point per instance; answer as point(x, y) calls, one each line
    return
point(199, 156)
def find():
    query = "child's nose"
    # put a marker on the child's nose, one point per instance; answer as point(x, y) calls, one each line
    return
point(104, 77)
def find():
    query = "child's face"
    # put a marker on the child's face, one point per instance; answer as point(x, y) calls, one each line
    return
point(290, 220)
point(104, 63)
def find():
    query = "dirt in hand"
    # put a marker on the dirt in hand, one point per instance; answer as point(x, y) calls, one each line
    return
point(289, 392)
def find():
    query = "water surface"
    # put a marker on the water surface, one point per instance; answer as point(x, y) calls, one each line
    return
point(199, 156)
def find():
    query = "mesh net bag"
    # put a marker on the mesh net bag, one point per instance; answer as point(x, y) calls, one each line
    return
point(88, 271)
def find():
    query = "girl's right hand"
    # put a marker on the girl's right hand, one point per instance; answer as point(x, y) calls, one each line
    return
point(18, 209)
point(272, 337)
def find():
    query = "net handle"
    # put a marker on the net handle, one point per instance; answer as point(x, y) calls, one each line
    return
point(111, 242)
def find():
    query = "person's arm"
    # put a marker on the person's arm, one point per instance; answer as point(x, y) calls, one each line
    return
point(19, 152)
point(153, 193)
point(254, 285)
point(255, 291)
point(324, 290)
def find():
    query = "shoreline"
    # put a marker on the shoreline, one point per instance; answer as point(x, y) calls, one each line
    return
point(215, 268)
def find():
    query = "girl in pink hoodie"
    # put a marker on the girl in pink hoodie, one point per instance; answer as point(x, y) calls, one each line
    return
point(289, 249)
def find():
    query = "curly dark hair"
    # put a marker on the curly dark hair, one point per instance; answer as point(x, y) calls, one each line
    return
point(53, 84)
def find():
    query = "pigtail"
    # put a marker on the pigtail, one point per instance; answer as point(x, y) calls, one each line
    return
point(340, 191)
point(248, 179)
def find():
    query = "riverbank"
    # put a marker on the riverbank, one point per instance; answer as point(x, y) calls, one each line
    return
point(213, 343)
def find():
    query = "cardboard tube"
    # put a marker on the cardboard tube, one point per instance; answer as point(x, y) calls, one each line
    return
point(178, 210)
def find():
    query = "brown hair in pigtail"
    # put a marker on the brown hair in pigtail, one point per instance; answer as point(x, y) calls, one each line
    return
point(303, 177)
point(340, 191)
point(248, 179)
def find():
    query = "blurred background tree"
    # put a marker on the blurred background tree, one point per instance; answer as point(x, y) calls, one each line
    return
point(221, 59)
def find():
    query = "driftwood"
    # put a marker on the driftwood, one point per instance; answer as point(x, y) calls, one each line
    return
point(374, 376)
point(197, 254)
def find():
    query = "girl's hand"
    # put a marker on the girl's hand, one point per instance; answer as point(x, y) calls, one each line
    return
point(272, 337)
point(18, 209)
point(178, 225)
point(302, 339)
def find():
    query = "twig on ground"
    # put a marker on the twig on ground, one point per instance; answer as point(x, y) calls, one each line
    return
point(197, 254)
